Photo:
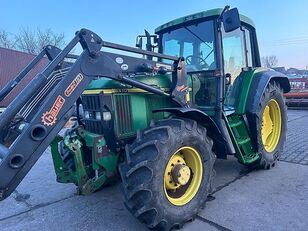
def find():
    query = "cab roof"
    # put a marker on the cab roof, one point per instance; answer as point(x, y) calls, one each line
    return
point(196, 16)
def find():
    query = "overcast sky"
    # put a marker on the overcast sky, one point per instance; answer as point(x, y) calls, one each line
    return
point(282, 26)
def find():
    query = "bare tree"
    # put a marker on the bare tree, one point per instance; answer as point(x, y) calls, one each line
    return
point(32, 42)
point(48, 37)
point(6, 40)
point(269, 61)
point(26, 41)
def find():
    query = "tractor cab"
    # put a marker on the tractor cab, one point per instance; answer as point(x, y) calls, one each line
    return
point(214, 43)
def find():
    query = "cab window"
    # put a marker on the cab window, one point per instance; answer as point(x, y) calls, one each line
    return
point(195, 43)
point(237, 55)
point(234, 52)
point(237, 51)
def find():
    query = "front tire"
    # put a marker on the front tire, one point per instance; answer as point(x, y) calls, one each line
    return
point(168, 173)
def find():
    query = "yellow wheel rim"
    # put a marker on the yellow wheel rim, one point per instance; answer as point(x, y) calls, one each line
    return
point(271, 125)
point(183, 176)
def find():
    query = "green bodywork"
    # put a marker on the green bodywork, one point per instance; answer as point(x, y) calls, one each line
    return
point(236, 123)
point(92, 168)
point(95, 164)
point(137, 103)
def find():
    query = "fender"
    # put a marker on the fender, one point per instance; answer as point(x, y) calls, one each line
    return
point(206, 121)
point(258, 86)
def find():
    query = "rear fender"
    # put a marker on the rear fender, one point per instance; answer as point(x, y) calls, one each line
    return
point(258, 86)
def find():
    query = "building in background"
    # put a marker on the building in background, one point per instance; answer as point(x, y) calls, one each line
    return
point(11, 63)
point(280, 69)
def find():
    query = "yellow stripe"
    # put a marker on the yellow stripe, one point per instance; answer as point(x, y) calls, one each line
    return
point(111, 91)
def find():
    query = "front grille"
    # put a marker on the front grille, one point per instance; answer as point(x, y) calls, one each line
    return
point(123, 109)
point(94, 126)
point(122, 112)
point(92, 104)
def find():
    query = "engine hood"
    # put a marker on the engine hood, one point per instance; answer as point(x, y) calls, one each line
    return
point(161, 81)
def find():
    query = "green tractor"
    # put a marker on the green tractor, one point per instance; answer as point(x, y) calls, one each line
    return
point(160, 121)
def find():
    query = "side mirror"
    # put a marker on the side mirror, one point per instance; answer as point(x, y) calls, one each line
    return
point(231, 20)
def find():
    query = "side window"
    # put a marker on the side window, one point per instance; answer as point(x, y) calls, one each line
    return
point(248, 47)
point(237, 54)
point(234, 52)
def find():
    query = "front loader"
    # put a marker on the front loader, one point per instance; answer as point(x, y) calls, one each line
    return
point(160, 120)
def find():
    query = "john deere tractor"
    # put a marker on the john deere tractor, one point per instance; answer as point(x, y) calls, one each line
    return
point(197, 93)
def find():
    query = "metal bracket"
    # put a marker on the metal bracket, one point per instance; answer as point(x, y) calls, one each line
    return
point(90, 41)
point(180, 91)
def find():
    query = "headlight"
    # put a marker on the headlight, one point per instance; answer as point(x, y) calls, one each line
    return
point(106, 115)
point(81, 111)
point(86, 115)
point(98, 115)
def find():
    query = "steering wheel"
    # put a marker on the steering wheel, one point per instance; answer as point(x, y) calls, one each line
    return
point(202, 61)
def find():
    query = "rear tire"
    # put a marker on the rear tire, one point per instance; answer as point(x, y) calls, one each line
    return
point(146, 191)
point(271, 126)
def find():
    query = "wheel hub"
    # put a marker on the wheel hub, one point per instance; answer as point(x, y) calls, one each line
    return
point(180, 174)
point(271, 126)
point(173, 170)
point(183, 176)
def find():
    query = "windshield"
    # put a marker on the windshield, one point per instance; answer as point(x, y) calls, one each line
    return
point(195, 43)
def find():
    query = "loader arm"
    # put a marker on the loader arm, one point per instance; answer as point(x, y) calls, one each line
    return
point(41, 110)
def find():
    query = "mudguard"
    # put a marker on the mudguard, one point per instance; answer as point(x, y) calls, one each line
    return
point(258, 86)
